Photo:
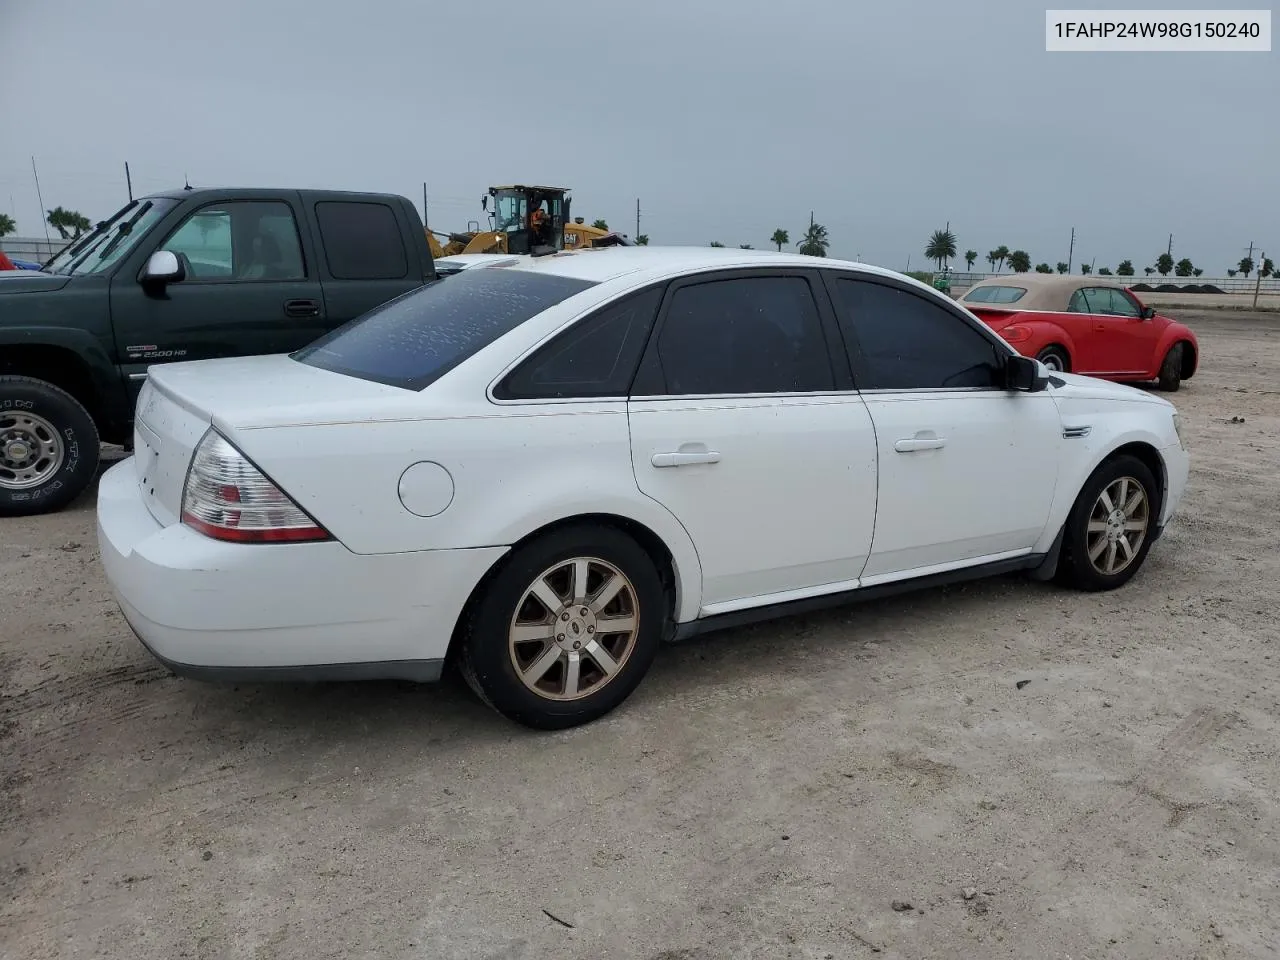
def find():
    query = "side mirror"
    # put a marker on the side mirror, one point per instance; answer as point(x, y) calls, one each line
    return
point(1026, 374)
point(163, 267)
point(1148, 313)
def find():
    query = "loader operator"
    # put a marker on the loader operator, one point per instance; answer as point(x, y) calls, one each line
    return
point(539, 225)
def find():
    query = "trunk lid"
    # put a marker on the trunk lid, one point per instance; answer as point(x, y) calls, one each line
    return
point(994, 318)
point(180, 401)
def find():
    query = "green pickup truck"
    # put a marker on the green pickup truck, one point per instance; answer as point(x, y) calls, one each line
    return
point(186, 275)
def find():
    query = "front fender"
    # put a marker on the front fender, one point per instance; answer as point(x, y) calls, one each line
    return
point(87, 348)
point(1172, 334)
point(1109, 430)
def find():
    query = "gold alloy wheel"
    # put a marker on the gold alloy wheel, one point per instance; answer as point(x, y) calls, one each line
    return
point(1117, 526)
point(574, 629)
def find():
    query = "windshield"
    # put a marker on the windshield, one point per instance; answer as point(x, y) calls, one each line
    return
point(415, 339)
point(111, 239)
point(510, 211)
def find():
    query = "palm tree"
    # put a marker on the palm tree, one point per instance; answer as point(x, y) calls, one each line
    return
point(992, 257)
point(780, 238)
point(1043, 268)
point(716, 243)
point(1125, 269)
point(1232, 273)
point(1246, 265)
point(1267, 268)
point(69, 223)
point(941, 247)
point(1104, 271)
point(600, 225)
point(642, 240)
point(1196, 272)
point(745, 246)
point(1183, 267)
point(1164, 263)
point(1020, 261)
point(970, 258)
point(1148, 270)
point(7, 226)
point(1063, 267)
point(1002, 254)
point(815, 242)
point(1086, 268)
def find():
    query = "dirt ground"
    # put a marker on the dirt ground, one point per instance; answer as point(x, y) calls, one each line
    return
point(1099, 771)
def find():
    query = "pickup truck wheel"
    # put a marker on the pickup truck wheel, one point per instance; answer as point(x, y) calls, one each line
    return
point(1171, 369)
point(48, 447)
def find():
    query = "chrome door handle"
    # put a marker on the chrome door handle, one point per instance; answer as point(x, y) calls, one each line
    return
point(925, 440)
point(684, 457)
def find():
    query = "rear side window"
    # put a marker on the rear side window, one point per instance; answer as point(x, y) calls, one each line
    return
point(748, 335)
point(596, 357)
point(417, 338)
point(995, 295)
point(362, 240)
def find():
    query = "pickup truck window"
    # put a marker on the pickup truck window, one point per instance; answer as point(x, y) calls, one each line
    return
point(239, 240)
point(417, 338)
point(110, 240)
point(362, 241)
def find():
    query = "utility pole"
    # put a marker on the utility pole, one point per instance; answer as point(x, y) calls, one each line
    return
point(128, 180)
point(1257, 283)
point(44, 214)
point(1170, 250)
point(1071, 251)
point(637, 218)
point(425, 221)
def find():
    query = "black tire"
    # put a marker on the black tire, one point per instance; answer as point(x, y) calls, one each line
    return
point(1055, 358)
point(485, 655)
point(1075, 567)
point(1171, 369)
point(77, 438)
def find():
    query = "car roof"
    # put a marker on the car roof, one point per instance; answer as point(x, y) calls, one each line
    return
point(602, 264)
point(1044, 291)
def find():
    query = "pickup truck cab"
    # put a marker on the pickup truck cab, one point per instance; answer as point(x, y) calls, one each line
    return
point(186, 275)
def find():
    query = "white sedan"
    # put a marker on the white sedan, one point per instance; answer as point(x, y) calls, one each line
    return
point(542, 472)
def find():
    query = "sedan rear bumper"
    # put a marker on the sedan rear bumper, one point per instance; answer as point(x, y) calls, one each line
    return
point(309, 611)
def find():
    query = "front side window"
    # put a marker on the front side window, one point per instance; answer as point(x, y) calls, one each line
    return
point(362, 240)
point(748, 335)
point(909, 343)
point(415, 339)
point(239, 240)
point(596, 357)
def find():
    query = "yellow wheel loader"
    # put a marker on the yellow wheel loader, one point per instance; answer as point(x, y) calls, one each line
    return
point(524, 220)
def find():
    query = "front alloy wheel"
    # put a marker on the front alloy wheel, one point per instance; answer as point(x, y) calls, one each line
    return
point(1108, 532)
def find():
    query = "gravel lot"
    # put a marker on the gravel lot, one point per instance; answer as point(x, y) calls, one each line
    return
point(1101, 772)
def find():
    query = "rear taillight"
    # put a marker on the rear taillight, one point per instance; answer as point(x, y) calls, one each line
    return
point(1015, 334)
point(226, 497)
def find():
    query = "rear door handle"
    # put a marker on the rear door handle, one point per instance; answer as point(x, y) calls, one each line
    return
point(924, 440)
point(302, 308)
point(689, 453)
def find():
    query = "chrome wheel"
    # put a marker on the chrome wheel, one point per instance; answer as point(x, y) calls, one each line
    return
point(574, 629)
point(31, 450)
point(1117, 525)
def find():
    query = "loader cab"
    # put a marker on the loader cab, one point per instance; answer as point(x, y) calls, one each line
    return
point(532, 218)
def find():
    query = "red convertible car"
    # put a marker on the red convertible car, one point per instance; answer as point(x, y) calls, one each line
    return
point(1087, 324)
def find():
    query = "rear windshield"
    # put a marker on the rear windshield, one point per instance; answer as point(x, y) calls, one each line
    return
point(417, 338)
point(995, 294)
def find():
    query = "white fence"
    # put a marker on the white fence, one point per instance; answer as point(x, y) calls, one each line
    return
point(31, 248)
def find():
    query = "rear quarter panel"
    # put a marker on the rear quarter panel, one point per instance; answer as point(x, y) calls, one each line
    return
point(513, 471)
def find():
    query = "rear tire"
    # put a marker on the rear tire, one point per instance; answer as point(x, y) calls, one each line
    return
point(1055, 358)
point(551, 652)
point(1171, 369)
point(49, 447)
point(1110, 527)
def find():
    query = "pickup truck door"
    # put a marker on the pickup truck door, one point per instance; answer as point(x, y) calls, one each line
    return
point(365, 258)
point(252, 287)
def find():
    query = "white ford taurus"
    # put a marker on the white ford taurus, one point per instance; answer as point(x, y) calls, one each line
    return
point(544, 470)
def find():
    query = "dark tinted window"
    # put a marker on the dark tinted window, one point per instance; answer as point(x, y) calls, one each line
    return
point(908, 343)
point(753, 335)
point(596, 357)
point(995, 295)
point(416, 338)
point(362, 241)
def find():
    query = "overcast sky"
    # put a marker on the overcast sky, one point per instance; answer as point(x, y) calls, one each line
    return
point(727, 118)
